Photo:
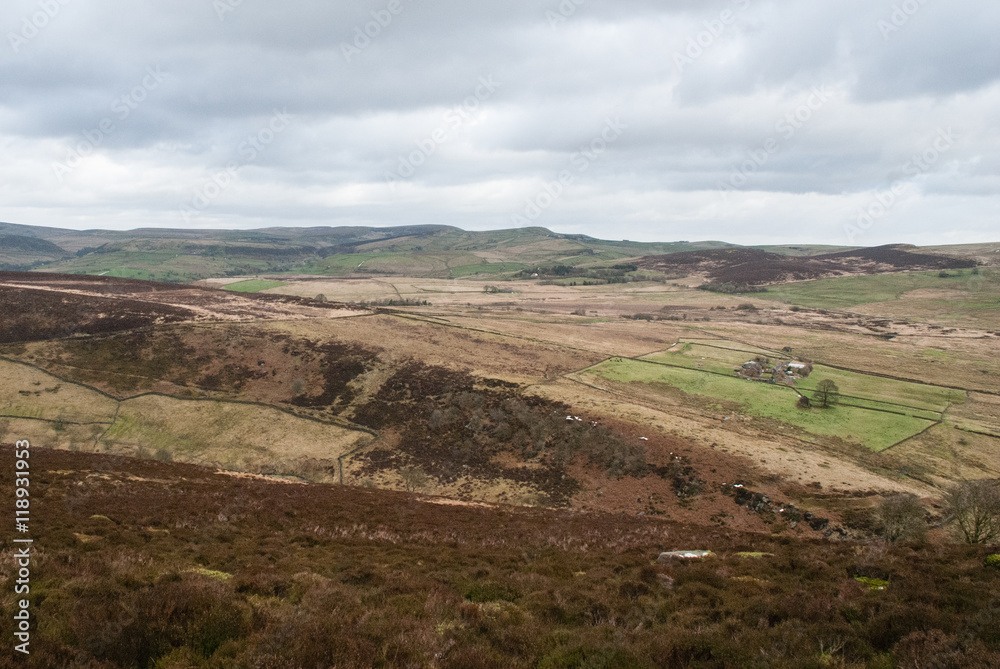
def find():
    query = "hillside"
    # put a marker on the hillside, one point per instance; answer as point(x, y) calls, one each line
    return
point(433, 251)
point(224, 472)
point(25, 252)
point(153, 564)
point(442, 252)
point(747, 267)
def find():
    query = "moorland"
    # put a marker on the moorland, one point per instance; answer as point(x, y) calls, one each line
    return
point(430, 447)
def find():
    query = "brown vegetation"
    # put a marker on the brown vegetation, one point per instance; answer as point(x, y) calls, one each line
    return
point(182, 567)
point(735, 270)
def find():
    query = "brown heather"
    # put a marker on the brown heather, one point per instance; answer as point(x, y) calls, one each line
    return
point(150, 564)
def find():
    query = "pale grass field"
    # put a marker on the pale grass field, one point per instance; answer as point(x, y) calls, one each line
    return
point(231, 436)
point(30, 393)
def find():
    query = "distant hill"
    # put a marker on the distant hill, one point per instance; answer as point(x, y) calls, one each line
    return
point(424, 250)
point(26, 252)
point(437, 251)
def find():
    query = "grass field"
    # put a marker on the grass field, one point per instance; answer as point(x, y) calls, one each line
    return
point(488, 268)
point(241, 437)
point(874, 429)
point(721, 357)
point(236, 436)
point(158, 266)
point(30, 393)
point(253, 285)
point(982, 290)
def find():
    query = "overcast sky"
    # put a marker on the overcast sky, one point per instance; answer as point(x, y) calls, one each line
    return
point(750, 121)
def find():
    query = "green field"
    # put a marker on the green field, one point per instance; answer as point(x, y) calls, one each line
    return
point(253, 285)
point(982, 288)
point(863, 390)
point(489, 268)
point(867, 421)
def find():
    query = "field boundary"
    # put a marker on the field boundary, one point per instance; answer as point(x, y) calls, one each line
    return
point(54, 420)
point(341, 423)
point(417, 317)
point(867, 372)
point(780, 386)
point(842, 395)
point(899, 443)
point(932, 422)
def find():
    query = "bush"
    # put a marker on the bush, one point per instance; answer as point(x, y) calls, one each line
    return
point(414, 478)
point(900, 517)
point(491, 591)
point(975, 506)
point(993, 560)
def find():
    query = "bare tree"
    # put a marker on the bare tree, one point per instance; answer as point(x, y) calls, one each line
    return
point(975, 506)
point(827, 394)
point(900, 517)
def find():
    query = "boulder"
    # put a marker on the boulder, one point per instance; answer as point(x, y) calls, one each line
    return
point(671, 557)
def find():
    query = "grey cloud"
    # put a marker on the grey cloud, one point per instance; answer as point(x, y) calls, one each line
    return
point(564, 67)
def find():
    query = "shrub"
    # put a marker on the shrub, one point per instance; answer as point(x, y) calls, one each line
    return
point(491, 591)
point(900, 517)
point(993, 560)
point(975, 506)
point(414, 478)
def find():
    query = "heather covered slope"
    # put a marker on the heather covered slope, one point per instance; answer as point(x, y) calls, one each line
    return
point(755, 267)
point(147, 564)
